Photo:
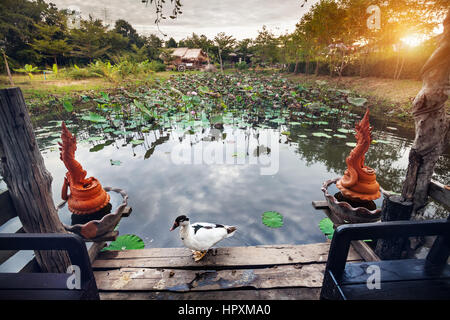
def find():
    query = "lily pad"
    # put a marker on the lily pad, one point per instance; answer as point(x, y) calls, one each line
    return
point(321, 134)
point(115, 162)
point(93, 117)
point(126, 242)
point(67, 104)
point(136, 142)
point(327, 227)
point(272, 219)
point(342, 130)
point(359, 102)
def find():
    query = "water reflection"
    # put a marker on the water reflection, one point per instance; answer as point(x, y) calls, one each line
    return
point(234, 193)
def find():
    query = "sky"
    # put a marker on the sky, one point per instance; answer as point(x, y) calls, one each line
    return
point(239, 18)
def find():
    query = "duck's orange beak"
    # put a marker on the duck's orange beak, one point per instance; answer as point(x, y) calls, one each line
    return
point(175, 225)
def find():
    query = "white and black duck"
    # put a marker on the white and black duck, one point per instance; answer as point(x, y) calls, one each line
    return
point(201, 236)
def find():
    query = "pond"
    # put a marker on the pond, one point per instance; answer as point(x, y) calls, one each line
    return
point(225, 149)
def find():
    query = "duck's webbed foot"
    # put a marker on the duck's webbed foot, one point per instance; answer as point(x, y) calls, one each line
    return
point(198, 255)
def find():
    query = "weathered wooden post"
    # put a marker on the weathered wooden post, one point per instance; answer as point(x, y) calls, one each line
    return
point(29, 182)
point(395, 208)
point(431, 123)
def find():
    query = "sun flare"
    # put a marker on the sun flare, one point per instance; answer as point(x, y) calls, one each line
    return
point(413, 40)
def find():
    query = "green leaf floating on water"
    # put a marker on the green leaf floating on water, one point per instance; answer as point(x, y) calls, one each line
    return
point(115, 162)
point(136, 142)
point(67, 104)
point(126, 242)
point(321, 134)
point(351, 144)
point(340, 136)
point(359, 102)
point(272, 219)
point(327, 227)
point(93, 117)
point(342, 130)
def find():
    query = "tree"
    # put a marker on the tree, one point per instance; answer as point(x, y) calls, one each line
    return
point(171, 43)
point(17, 25)
point(126, 30)
point(245, 49)
point(266, 46)
point(89, 40)
point(53, 43)
point(432, 125)
point(224, 45)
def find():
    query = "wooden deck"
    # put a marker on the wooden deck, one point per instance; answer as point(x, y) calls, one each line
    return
point(258, 272)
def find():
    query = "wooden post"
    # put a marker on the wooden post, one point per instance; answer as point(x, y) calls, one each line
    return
point(11, 82)
point(394, 209)
point(29, 182)
point(431, 123)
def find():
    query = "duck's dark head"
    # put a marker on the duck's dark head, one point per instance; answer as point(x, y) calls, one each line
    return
point(180, 220)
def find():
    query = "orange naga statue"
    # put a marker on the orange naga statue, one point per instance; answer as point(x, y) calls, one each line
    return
point(359, 181)
point(86, 195)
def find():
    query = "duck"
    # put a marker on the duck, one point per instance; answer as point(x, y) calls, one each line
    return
point(201, 236)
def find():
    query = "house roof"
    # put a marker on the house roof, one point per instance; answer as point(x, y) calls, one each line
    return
point(186, 53)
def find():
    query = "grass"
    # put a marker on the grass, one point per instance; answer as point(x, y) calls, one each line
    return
point(39, 87)
point(386, 96)
point(395, 91)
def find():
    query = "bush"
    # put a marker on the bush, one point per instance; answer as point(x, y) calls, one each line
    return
point(77, 73)
point(155, 66)
point(242, 65)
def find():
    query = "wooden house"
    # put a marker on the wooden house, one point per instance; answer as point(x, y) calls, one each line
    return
point(189, 58)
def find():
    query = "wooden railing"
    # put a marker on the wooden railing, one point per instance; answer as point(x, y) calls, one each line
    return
point(8, 212)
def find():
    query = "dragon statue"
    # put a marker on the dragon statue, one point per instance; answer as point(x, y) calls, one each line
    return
point(359, 181)
point(86, 195)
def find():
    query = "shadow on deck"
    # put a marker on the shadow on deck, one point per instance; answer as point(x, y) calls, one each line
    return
point(255, 272)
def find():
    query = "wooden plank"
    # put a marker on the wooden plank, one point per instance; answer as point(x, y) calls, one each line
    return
point(150, 279)
point(7, 210)
point(320, 204)
point(440, 193)
point(261, 294)
point(250, 256)
point(364, 250)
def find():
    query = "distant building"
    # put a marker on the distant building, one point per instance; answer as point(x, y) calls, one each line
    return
point(192, 58)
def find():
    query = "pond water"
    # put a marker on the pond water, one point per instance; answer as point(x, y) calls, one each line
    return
point(229, 171)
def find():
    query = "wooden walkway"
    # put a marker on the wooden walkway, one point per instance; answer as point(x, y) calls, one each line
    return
point(258, 272)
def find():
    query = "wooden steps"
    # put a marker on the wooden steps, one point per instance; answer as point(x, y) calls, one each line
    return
point(256, 272)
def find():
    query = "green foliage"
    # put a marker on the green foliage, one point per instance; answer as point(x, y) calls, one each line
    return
point(93, 117)
point(126, 242)
point(327, 227)
point(28, 69)
point(242, 65)
point(272, 219)
point(67, 104)
point(155, 66)
point(115, 162)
